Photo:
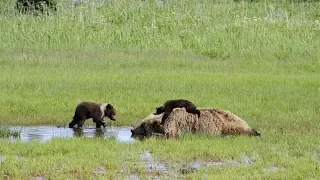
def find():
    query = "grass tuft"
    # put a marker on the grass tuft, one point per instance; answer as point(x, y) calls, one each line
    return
point(6, 132)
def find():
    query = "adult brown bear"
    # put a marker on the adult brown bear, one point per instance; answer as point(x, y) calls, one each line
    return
point(96, 111)
point(214, 121)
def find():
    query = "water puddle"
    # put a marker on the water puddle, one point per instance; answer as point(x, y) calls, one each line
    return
point(38, 178)
point(2, 159)
point(45, 133)
point(315, 155)
point(273, 169)
point(100, 171)
point(170, 169)
point(151, 164)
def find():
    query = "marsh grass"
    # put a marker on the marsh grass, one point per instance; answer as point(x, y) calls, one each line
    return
point(259, 60)
point(289, 157)
point(6, 133)
point(267, 30)
point(45, 87)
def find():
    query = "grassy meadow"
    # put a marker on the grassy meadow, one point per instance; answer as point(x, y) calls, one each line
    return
point(260, 60)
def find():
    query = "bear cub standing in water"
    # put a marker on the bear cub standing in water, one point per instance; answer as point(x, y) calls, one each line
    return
point(96, 111)
point(168, 106)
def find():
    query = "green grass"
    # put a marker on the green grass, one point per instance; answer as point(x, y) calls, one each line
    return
point(289, 154)
point(259, 60)
point(44, 87)
point(6, 132)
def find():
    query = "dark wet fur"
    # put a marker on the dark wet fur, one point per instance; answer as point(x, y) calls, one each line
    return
point(168, 106)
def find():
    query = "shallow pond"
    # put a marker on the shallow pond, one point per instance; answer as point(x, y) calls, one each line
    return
point(45, 133)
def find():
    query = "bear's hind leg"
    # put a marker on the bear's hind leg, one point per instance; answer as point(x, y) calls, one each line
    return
point(193, 111)
point(197, 112)
point(81, 122)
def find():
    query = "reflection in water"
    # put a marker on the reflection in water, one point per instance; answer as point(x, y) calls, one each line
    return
point(45, 133)
point(100, 132)
point(77, 132)
point(142, 137)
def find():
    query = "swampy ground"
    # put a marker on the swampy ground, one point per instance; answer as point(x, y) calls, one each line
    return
point(260, 60)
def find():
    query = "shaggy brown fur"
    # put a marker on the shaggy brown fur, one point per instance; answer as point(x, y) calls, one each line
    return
point(150, 126)
point(220, 122)
point(215, 121)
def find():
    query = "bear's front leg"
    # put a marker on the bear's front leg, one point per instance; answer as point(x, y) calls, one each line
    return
point(103, 123)
point(99, 122)
point(72, 123)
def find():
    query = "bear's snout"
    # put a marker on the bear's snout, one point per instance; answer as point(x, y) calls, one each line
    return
point(113, 118)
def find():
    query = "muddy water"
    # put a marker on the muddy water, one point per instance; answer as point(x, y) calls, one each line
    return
point(157, 169)
point(45, 133)
point(152, 164)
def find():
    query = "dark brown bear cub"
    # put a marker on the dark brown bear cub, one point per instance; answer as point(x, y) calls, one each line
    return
point(96, 111)
point(168, 106)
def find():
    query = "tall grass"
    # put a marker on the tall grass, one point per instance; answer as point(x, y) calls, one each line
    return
point(259, 60)
point(264, 31)
point(5, 132)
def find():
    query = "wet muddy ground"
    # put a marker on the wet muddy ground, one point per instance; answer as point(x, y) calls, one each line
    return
point(45, 133)
point(154, 167)
point(157, 169)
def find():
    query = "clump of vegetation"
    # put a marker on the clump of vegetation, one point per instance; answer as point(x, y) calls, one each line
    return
point(29, 6)
point(6, 132)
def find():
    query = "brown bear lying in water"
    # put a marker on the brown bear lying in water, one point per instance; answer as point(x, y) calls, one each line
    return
point(96, 111)
point(215, 121)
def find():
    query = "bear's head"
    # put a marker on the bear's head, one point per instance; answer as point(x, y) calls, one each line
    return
point(110, 112)
point(151, 126)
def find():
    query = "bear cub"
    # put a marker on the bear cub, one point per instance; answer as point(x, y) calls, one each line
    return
point(168, 106)
point(96, 111)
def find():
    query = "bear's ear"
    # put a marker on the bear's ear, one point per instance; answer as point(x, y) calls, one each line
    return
point(109, 106)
